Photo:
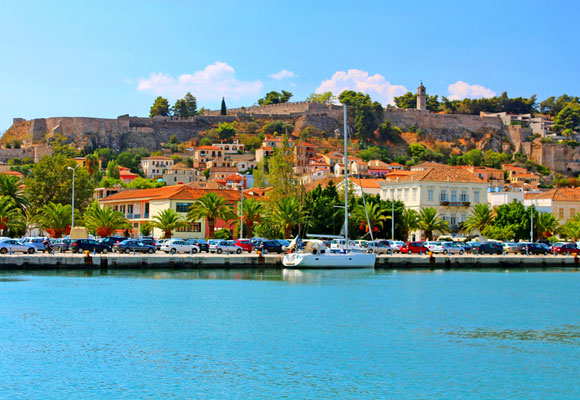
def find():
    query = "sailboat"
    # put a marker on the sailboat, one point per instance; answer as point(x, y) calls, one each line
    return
point(315, 255)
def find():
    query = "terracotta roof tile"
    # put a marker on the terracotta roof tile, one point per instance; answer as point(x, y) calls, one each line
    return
point(557, 194)
point(176, 192)
point(445, 174)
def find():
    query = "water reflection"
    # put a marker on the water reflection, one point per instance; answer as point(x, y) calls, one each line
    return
point(568, 334)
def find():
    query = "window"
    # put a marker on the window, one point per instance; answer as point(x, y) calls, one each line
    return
point(572, 212)
point(195, 227)
point(443, 195)
point(430, 195)
point(463, 196)
point(130, 209)
point(454, 196)
point(182, 207)
point(463, 217)
point(414, 195)
point(561, 213)
point(476, 196)
point(453, 219)
point(406, 194)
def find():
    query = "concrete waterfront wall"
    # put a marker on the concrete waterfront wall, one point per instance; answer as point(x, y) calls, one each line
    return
point(122, 261)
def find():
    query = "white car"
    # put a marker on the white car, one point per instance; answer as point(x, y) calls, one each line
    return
point(377, 247)
point(224, 246)
point(178, 246)
point(13, 246)
point(396, 245)
point(435, 247)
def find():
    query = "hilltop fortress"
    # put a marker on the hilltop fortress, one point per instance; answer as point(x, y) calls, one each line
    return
point(495, 131)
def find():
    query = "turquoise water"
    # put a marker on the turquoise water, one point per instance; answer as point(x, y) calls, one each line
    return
point(290, 334)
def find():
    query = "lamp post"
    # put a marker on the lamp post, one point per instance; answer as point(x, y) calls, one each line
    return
point(532, 223)
point(242, 206)
point(393, 216)
point(73, 195)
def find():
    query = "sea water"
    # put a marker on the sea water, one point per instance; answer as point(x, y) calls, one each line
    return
point(272, 334)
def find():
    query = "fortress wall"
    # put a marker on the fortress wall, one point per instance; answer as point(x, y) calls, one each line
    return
point(439, 122)
point(273, 109)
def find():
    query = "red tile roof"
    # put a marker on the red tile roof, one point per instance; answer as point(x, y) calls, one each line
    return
point(442, 174)
point(176, 192)
point(207, 148)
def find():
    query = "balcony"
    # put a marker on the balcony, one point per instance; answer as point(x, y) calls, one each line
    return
point(447, 203)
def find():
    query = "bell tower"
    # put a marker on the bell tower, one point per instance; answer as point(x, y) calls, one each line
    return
point(421, 98)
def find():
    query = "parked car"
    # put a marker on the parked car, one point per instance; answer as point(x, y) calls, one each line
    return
point(147, 240)
point(566, 248)
point(490, 248)
point(130, 245)
point(202, 244)
point(61, 245)
point(37, 242)
point(474, 247)
point(434, 247)
point(396, 245)
point(178, 246)
point(80, 245)
point(452, 248)
point(13, 246)
point(159, 243)
point(535, 248)
point(111, 240)
point(224, 246)
point(415, 248)
point(270, 246)
point(511, 247)
point(245, 244)
point(378, 247)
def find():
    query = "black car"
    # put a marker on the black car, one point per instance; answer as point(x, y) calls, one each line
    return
point(270, 246)
point(535, 248)
point(129, 246)
point(80, 245)
point(202, 244)
point(111, 240)
point(490, 248)
point(147, 240)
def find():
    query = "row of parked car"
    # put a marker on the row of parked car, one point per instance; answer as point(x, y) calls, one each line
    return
point(121, 244)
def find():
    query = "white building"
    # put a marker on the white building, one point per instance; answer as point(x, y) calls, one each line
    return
point(155, 166)
point(453, 192)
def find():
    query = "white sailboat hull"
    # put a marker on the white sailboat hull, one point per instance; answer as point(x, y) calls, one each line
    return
point(329, 260)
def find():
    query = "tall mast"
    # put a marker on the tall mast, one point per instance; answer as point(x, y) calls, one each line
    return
point(345, 182)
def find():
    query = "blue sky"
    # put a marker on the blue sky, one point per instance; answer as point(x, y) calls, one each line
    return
point(108, 58)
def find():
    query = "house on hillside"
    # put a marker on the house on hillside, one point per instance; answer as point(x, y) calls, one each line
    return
point(155, 166)
point(181, 173)
point(564, 203)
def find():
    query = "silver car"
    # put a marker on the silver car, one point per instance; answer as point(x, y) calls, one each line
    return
point(14, 246)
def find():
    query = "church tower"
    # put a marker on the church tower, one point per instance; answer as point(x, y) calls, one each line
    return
point(421, 98)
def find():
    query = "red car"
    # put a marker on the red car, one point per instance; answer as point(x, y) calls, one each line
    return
point(245, 244)
point(568, 248)
point(414, 247)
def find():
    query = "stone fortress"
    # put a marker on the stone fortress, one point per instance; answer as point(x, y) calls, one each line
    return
point(495, 131)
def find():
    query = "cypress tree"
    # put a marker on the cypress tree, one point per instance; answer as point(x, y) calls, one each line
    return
point(223, 110)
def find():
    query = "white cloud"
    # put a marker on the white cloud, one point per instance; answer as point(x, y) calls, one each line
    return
point(374, 85)
point(212, 83)
point(284, 74)
point(461, 90)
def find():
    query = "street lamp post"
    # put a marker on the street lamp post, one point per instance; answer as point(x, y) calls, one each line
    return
point(73, 195)
point(532, 223)
point(242, 206)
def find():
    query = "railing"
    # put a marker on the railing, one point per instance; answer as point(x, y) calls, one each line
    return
point(455, 203)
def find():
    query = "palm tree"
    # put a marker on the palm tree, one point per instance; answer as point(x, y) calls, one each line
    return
point(430, 221)
point(252, 212)
point(12, 186)
point(480, 218)
point(55, 219)
point(376, 217)
point(92, 163)
point(11, 218)
point(167, 220)
point(571, 230)
point(288, 212)
point(211, 207)
point(409, 221)
point(104, 221)
point(546, 224)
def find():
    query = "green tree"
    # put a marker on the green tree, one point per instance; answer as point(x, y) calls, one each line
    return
point(61, 146)
point(160, 107)
point(374, 153)
point(145, 229)
point(191, 103)
point(473, 157)
point(546, 224)
point(224, 234)
point(279, 127)
point(92, 164)
point(323, 98)
point(409, 222)
point(252, 213)
point(113, 170)
point(51, 181)
point(498, 232)
point(481, 217)
point(104, 221)
point(363, 112)
point(167, 220)
point(11, 217)
point(274, 97)
point(223, 108)
point(180, 109)
point(430, 222)
point(226, 131)
point(11, 186)
point(376, 217)
point(205, 142)
point(250, 142)
point(281, 173)
point(387, 131)
point(143, 183)
point(289, 213)
point(417, 150)
point(515, 216)
point(568, 118)
point(55, 219)
point(210, 207)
